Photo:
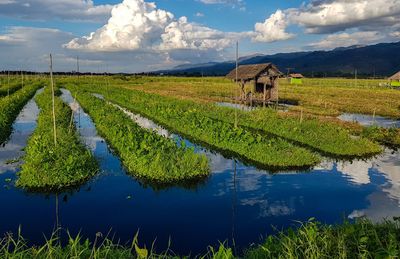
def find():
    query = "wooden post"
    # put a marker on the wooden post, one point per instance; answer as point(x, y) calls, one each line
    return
point(77, 66)
point(265, 95)
point(301, 115)
point(374, 116)
point(53, 100)
point(355, 76)
point(8, 79)
point(237, 65)
point(243, 94)
point(276, 84)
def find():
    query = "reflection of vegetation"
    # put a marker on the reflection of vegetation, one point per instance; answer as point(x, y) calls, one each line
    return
point(12, 161)
point(11, 106)
point(144, 153)
point(362, 239)
point(55, 167)
point(193, 120)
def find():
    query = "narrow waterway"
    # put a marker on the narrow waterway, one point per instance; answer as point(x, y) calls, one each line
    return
point(12, 150)
point(369, 120)
point(238, 201)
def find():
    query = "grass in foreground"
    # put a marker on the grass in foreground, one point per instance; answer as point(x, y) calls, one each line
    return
point(145, 154)
point(50, 167)
point(189, 119)
point(11, 106)
point(362, 239)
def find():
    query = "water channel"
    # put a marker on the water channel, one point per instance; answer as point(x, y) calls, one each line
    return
point(237, 202)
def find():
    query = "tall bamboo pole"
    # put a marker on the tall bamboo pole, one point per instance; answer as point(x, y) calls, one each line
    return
point(53, 100)
point(237, 64)
point(8, 79)
point(77, 66)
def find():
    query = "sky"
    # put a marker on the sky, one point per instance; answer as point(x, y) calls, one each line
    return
point(141, 35)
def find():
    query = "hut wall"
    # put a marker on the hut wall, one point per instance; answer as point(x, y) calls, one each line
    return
point(260, 84)
point(274, 94)
point(274, 91)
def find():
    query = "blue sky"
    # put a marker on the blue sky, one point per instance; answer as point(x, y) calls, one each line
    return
point(136, 35)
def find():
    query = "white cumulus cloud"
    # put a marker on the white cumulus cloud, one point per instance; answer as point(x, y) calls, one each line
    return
point(71, 10)
point(233, 3)
point(348, 39)
point(182, 34)
point(273, 29)
point(327, 16)
point(134, 24)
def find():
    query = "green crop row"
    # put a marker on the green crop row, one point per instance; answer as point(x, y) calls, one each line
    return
point(189, 120)
point(325, 138)
point(11, 88)
point(144, 153)
point(54, 167)
point(11, 106)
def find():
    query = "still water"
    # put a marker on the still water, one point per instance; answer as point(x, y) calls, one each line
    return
point(369, 120)
point(237, 202)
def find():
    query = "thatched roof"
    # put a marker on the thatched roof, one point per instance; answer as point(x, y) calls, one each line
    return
point(395, 76)
point(296, 75)
point(249, 72)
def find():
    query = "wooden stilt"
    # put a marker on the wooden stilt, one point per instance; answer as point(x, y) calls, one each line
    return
point(265, 95)
point(53, 100)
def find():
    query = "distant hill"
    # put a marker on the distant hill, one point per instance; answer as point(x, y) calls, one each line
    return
point(380, 60)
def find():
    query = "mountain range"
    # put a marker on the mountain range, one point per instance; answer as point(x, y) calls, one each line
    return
point(375, 60)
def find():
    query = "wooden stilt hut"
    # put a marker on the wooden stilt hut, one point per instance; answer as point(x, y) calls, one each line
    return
point(395, 79)
point(262, 76)
point(296, 79)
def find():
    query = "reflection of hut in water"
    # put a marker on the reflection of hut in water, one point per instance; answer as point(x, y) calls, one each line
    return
point(262, 77)
point(395, 79)
point(296, 79)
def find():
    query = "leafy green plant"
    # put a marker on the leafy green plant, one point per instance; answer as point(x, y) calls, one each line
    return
point(50, 167)
point(325, 138)
point(190, 120)
point(389, 137)
point(11, 106)
point(10, 89)
point(144, 153)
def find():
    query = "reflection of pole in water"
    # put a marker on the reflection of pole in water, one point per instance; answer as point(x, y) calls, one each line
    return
point(79, 118)
point(234, 205)
point(57, 227)
point(57, 222)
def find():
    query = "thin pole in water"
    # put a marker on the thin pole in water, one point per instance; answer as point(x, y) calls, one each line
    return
point(355, 76)
point(8, 79)
point(53, 100)
point(234, 201)
point(77, 66)
point(237, 64)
